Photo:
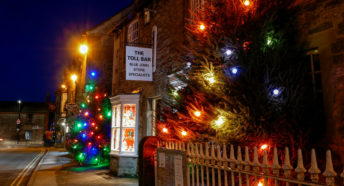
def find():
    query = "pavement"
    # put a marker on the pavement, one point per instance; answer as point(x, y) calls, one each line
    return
point(58, 168)
point(16, 165)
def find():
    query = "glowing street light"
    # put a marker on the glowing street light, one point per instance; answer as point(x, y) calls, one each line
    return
point(74, 77)
point(83, 49)
point(63, 86)
point(246, 2)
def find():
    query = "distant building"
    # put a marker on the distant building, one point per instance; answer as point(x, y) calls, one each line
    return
point(34, 118)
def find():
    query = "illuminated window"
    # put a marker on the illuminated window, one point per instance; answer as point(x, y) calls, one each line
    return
point(133, 31)
point(124, 127)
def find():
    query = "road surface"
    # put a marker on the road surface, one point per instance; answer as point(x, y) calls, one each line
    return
point(17, 165)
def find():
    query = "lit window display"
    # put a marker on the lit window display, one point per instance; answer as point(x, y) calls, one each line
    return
point(124, 126)
point(128, 128)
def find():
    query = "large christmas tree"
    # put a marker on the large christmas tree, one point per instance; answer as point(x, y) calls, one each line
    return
point(89, 140)
point(246, 78)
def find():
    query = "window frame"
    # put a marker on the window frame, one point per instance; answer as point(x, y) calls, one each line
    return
point(120, 101)
point(133, 32)
point(313, 72)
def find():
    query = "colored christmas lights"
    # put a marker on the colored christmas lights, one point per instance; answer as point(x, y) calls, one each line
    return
point(197, 113)
point(89, 135)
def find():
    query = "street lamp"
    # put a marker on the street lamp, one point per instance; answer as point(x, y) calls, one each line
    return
point(18, 122)
point(83, 49)
point(73, 77)
point(19, 102)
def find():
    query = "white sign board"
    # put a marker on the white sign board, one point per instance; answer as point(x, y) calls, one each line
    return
point(138, 64)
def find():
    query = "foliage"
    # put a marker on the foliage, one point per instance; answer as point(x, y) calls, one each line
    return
point(248, 77)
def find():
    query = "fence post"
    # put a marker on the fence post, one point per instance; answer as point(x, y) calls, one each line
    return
point(247, 164)
point(232, 162)
point(202, 163)
point(219, 164)
point(188, 162)
point(225, 163)
point(255, 165)
point(275, 165)
point(329, 172)
point(240, 165)
point(207, 162)
point(314, 171)
point(213, 163)
point(265, 167)
point(197, 163)
point(300, 169)
point(287, 166)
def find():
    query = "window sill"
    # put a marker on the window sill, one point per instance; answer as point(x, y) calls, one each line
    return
point(127, 155)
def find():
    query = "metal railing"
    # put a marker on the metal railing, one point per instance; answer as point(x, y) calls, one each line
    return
point(211, 165)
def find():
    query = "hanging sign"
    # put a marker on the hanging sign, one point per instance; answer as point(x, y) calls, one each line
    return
point(138, 63)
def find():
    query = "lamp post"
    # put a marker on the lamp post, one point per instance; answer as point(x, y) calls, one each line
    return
point(18, 122)
point(74, 77)
point(83, 49)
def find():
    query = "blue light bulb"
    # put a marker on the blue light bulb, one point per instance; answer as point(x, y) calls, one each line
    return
point(276, 92)
point(93, 74)
point(234, 70)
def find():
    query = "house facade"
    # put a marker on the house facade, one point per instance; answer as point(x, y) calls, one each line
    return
point(33, 121)
point(322, 23)
point(147, 43)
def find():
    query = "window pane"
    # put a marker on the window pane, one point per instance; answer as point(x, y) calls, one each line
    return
point(317, 78)
point(129, 115)
point(118, 116)
point(116, 134)
point(316, 62)
point(128, 142)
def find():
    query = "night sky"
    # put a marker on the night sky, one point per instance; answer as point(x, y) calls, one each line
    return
point(34, 37)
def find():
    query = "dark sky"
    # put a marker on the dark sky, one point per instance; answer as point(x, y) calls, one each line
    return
point(33, 41)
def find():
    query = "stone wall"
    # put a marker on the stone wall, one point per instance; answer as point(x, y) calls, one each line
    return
point(323, 24)
point(36, 126)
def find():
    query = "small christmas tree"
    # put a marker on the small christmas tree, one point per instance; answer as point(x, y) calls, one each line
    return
point(245, 78)
point(89, 140)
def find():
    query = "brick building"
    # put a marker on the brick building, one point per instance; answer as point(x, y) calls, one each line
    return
point(157, 27)
point(34, 118)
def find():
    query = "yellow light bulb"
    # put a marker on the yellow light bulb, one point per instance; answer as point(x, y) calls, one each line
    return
point(63, 86)
point(184, 133)
point(197, 113)
point(202, 27)
point(247, 3)
point(220, 121)
point(165, 130)
point(83, 49)
point(210, 78)
point(264, 146)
